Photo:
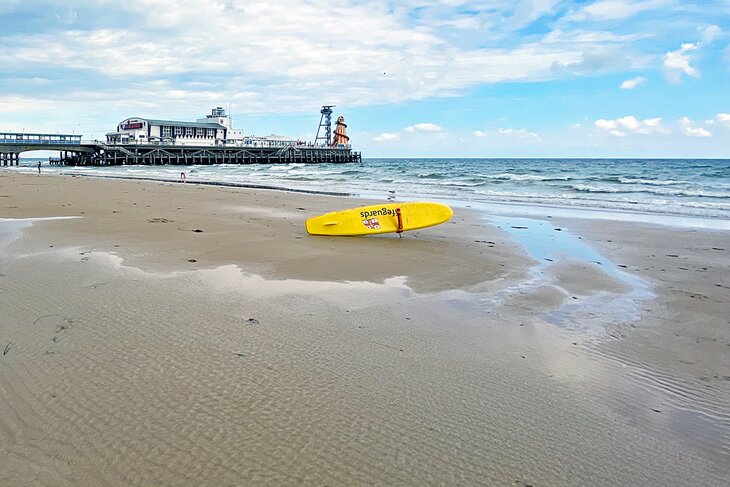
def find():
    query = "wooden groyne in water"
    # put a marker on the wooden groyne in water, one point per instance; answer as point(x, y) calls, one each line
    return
point(228, 184)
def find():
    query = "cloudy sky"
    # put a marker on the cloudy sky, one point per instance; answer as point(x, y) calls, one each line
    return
point(414, 78)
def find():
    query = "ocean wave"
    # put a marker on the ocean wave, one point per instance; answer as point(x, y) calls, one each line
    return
point(301, 178)
point(650, 182)
point(528, 196)
point(524, 177)
point(705, 205)
point(587, 188)
point(323, 172)
point(602, 199)
point(664, 207)
point(459, 184)
point(431, 175)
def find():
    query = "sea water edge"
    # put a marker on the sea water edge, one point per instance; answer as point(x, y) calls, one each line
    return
point(691, 193)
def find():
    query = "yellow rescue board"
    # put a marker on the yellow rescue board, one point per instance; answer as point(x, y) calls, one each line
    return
point(375, 219)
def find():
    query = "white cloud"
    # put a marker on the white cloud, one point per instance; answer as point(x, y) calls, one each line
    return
point(632, 83)
point(606, 124)
point(615, 9)
point(723, 118)
point(273, 55)
point(590, 37)
point(629, 122)
point(527, 11)
point(508, 131)
point(653, 122)
point(461, 23)
point(17, 104)
point(424, 128)
point(620, 127)
point(387, 137)
point(522, 133)
point(689, 130)
point(678, 62)
point(710, 33)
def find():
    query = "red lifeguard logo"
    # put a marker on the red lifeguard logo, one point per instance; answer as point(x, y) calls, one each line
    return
point(371, 223)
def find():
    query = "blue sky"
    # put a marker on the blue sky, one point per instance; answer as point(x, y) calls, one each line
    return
point(413, 78)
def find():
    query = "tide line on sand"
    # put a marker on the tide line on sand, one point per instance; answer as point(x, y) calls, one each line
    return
point(212, 183)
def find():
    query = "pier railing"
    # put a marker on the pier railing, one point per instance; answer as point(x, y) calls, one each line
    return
point(39, 139)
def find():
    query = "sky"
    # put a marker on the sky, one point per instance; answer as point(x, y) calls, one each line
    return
point(413, 78)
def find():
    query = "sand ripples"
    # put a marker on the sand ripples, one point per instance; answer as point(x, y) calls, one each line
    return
point(128, 378)
point(700, 410)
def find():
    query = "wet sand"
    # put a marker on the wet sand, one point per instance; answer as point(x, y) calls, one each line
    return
point(142, 351)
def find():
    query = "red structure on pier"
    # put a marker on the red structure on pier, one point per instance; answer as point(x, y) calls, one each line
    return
point(341, 138)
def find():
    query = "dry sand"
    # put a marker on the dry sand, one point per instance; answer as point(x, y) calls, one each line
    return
point(144, 352)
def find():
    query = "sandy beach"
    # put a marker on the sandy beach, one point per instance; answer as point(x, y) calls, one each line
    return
point(180, 334)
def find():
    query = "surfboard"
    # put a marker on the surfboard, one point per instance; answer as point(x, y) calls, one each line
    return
point(376, 219)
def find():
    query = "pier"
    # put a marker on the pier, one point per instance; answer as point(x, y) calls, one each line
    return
point(209, 140)
point(13, 144)
point(114, 155)
point(75, 152)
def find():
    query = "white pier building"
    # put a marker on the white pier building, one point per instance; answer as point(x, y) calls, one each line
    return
point(214, 130)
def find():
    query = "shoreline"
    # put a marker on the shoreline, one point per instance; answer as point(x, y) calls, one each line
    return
point(211, 183)
point(628, 203)
point(277, 357)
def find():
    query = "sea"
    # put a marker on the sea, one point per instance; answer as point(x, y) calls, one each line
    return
point(685, 192)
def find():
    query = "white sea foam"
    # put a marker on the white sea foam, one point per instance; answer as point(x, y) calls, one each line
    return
point(650, 181)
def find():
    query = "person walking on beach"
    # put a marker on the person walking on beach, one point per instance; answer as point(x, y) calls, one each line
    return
point(39, 167)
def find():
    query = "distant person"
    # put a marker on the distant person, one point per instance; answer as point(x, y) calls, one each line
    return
point(39, 167)
point(182, 176)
